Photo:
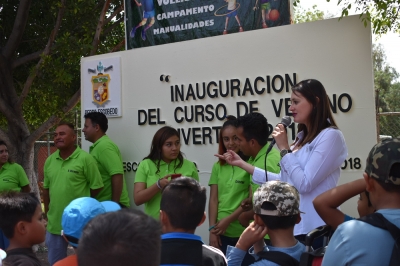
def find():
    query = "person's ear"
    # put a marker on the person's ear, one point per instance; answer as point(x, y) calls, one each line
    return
point(258, 220)
point(97, 127)
point(298, 220)
point(164, 221)
point(369, 183)
point(20, 228)
point(252, 142)
point(202, 219)
point(74, 136)
point(164, 218)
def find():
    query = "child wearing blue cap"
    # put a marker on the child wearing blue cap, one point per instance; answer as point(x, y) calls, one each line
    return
point(75, 217)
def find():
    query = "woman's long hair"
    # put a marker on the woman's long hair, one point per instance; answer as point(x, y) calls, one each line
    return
point(321, 114)
point(2, 142)
point(157, 143)
point(230, 121)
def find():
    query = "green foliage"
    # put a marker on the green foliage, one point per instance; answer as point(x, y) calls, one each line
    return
point(59, 75)
point(312, 14)
point(385, 78)
point(387, 88)
point(383, 14)
point(393, 98)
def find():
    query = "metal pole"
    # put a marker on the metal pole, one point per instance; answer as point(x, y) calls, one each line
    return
point(77, 127)
point(48, 144)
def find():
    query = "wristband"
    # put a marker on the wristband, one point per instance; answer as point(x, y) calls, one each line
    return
point(158, 184)
point(211, 227)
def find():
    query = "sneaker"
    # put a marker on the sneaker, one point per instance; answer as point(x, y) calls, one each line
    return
point(264, 25)
point(143, 35)
point(133, 31)
point(225, 32)
point(241, 29)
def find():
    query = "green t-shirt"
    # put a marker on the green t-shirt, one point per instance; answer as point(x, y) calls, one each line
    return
point(109, 161)
point(273, 160)
point(233, 187)
point(67, 180)
point(12, 177)
point(146, 173)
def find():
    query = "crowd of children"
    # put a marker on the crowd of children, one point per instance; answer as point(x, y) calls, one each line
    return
point(103, 234)
point(261, 206)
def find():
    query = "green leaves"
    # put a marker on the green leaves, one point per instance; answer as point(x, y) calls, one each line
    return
point(59, 75)
point(312, 14)
point(383, 14)
point(385, 78)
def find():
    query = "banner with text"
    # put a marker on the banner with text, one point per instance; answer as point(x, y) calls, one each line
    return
point(154, 22)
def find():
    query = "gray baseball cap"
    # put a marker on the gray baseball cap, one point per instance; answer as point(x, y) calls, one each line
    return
point(381, 158)
point(282, 195)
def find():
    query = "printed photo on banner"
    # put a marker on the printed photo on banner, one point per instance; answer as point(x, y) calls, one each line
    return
point(154, 22)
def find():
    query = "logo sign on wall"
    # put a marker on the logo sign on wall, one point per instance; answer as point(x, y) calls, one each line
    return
point(154, 22)
point(101, 81)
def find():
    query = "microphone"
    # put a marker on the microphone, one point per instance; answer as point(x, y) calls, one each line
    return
point(286, 121)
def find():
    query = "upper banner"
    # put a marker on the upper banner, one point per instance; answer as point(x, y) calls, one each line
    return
point(154, 22)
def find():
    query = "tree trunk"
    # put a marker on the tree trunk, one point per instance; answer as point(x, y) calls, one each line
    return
point(17, 136)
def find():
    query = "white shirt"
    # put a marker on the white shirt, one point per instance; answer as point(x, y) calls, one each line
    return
point(313, 169)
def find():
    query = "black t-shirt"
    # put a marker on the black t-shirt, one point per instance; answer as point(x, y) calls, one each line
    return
point(190, 252)
point(21, 257)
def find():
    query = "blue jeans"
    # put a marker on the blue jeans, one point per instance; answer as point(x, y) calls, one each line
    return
point(4, 243)
point(231, 241)
point(57, 247)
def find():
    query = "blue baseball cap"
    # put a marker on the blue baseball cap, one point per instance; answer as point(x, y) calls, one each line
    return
point(79, 212)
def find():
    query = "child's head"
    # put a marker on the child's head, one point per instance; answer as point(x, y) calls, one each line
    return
point(79, 212)
point(383, 165)
point(277, 204)
point(125, 237)
point(21, 217)
point(183, 200)
point(227, 136)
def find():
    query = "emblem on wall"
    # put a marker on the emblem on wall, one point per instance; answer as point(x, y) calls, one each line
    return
point(100, 85)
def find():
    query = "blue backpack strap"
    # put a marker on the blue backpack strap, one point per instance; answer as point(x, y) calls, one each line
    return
point(278, 257)
point(378, 220)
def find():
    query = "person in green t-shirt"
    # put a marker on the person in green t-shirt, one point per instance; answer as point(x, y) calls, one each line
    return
point(165, 161)
point(69, 173)
point(229, 186)
point(12, 177)
point(252, 135)
point(108, 158)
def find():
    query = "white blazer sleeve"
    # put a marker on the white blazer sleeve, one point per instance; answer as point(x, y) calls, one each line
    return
point(326, 154)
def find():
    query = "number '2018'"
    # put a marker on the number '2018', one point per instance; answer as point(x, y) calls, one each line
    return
point(352, 163)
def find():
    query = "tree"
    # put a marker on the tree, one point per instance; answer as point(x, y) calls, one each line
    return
point(383, 14)
point(387, 92)
point(384, 78)
point(41, 45)
point(393, 98)
point(312, 14)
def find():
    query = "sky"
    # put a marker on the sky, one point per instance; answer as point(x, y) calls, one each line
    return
point(390, 41)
